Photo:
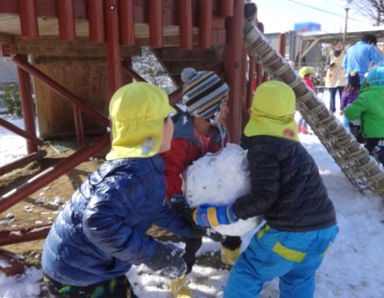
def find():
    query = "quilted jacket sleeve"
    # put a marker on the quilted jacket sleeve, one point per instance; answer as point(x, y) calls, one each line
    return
point(105, 225)
point(265, 183)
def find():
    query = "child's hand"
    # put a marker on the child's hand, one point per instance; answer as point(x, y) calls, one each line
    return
point(168, 260)
point(212, 216)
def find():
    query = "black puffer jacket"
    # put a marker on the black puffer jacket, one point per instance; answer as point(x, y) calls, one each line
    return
point(285, 186)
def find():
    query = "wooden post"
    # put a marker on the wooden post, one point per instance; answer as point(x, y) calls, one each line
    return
point(127, 21)
point(185, 24)
point(205, 23)
point(28, 18)
point(96, 21)
point(156, 23)
point(233, 71)
point(66, 16)
point(115, 76)
point(27, 104)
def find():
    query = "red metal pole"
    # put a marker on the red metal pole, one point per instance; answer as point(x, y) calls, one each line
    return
point(60, 90)
point(23, 235)
point(233, 70)
point(27, 104)
point(127, 21)
point(205, 23)
point(50, 174)
point(282, 43)
point(78, 124)
point(96, 21)
point(28, 18)
point(21, 132)
point(66, 16)
point(185, 24)
point(156, 23)
point(22, 161)
point(115, 75)
point(226, 7)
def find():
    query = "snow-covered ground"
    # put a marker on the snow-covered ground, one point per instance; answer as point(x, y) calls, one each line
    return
point(352, 268)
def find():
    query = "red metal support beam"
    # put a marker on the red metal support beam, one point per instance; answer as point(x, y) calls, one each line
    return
point(14, 196)
point(282, 43)
point(226, 8)
point(115, 74)
point(78, 124)
point(66, 16)
point(185, 24)
point(22, 162)
point(22, 235)
point(27, 104)
point(28, 18)
point(234, 75)
point(156, 23)
point(205, 23)
point(60, 90)
point(127, 22)
point(21, 132)
point(96, 21)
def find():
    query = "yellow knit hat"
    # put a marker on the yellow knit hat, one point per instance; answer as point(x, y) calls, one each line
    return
point(272, 111)
point(137, 112)
point(305, 71)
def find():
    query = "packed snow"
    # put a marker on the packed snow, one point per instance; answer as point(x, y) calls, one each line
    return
point(218, 179)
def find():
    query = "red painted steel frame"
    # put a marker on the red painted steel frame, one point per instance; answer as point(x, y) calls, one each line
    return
point(66, 16)
point(226, 8)
point(233, 71)
point(61, 90)
point(185, 24)
point(205, 23)
point(50, 174)
point(27, 104)
point(22, 235)
point(156, 23)
point(21, 132)
point(282, 44)
point(22, 162)
point(115, 75)
point(28, 18)
point(96, 21)
point(127, 22)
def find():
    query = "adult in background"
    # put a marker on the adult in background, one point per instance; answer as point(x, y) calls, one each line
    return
point(335, 78)
point(360, 56)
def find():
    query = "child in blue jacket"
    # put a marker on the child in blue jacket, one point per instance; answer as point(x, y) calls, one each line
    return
point(287, 189)
point(102, 230)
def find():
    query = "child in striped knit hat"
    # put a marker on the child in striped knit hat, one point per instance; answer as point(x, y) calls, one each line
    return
point(199, 129)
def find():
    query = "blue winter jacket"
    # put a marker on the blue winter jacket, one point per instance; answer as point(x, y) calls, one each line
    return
point(359, 57)
point(102, 229)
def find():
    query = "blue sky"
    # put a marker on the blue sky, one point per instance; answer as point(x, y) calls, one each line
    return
point(280, 15)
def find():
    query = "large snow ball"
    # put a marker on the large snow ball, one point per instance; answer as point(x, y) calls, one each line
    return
point(217, 179)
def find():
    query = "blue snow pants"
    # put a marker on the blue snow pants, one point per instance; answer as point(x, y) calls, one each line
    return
point(292, 256)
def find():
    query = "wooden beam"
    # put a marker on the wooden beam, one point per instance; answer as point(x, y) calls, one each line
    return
point(6, 38)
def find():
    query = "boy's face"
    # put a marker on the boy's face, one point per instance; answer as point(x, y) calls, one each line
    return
point(167, 135)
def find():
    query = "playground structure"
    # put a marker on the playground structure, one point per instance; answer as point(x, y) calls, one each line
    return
point(78, 52)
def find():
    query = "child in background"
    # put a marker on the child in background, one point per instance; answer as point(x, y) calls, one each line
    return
point(198, 131)
point(102, 230)
point(350, 93)
point(287, 189)
point(306, 73)
point(369, 107)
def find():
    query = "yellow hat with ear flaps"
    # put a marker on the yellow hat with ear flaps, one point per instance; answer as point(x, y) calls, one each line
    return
point(272, 112)
point(137, 112)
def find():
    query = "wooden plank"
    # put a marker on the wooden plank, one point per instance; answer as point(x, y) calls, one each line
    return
point(6, 38)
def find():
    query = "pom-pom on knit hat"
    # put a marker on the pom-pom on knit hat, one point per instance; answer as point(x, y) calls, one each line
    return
point(354, 79)
point(204, 92)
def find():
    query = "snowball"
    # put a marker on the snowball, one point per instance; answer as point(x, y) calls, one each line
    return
point(218, 179)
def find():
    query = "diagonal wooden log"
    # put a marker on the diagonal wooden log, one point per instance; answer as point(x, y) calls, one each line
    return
point(359, 167)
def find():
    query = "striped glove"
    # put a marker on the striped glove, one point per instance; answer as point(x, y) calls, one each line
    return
point(212, 216)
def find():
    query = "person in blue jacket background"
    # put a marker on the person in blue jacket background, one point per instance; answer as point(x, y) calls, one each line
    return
point(102, 230)
point(287, 189)
point(361, 55)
